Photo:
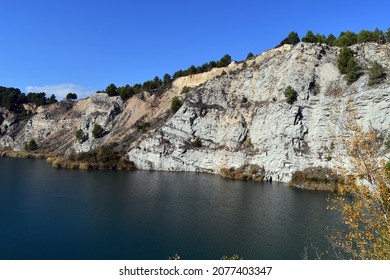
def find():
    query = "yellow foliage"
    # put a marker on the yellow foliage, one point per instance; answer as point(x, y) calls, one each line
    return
point(364, 197)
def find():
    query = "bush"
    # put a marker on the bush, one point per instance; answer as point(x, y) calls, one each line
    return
point(112, 90)
point(352, 71)
point(291, 39)
point(342, 63)
point(309, 37)
point(70, 96)
point(315, 178)
point(245, 172)
point(346, 39)
point(79, 135)
point(97, 131)
point(376, 73)
point(175, 104)
point(250, 55)
point(290, 94)
point(197, 143)
point(387, 166)
point(31, 146)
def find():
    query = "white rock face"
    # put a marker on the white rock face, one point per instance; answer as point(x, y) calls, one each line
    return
point(243, 118)
point(225, 121)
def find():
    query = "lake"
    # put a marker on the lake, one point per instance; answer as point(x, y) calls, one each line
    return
point(47, 213)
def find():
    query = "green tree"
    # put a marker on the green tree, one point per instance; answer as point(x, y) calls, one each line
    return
point(387, 35)
point(250, 55)
point(346, 39)
point(97, 131)
point(365, 36)
point(70, 96)
point(378, 36)
point(309, 37)
point(290, 94)
point(31, 146)
point(52, 99)
point(330, 40)
point(111, 90)
point(344, 57)
point(291, 39)
point(376, 73)
point(225, 61)
point(125, 92)
point(167, 80)
point(175, 104)
point(79, 135)
point(353, 71)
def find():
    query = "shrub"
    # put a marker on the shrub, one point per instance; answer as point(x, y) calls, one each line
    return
point(97, 131)
point(197, 143)
point(185, 90)
point(352, 71)
point(112, 90)
point(342, 63)
point(346, 39)
point(79, 135)
point(244, 65)
point(31, 146)
point(315, 178)
point(387, 166)
point(175, 104)
point(70, 96)
point(223, 73)
point(376, 73)
point(290, 94)
point(309, 37)
point(292, 39)
point(250, 55)
point(387, 142)
point(245, 172)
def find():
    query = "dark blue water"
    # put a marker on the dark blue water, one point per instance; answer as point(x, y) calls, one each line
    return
point(47, 213)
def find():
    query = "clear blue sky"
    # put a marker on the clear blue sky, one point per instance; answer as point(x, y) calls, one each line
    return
point(87, 45)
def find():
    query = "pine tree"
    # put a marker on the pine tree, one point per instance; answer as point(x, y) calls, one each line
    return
point(376, 73)
point(344, 57)
point(352, 71)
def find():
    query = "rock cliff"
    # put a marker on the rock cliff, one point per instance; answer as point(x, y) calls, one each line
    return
point(227, 120)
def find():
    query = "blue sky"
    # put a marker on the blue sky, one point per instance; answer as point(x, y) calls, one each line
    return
point(82, 46)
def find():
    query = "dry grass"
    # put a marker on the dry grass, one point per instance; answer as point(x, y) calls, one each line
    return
point(315, 178)
point(244, 173)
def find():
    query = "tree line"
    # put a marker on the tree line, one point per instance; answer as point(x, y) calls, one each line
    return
point(158, 84)
point(13, 99)
point(345, 39)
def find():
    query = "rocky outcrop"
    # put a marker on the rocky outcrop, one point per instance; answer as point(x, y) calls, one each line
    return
point(242, 118)
point(226, 121)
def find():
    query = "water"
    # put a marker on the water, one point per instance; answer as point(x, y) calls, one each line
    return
point(71, 214)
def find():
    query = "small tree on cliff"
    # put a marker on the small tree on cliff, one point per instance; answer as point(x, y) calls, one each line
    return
point(290, 94)
point(376, 73)
point(97, 131)
point(31, 146)
point(342, 62)
point(175, 104)
point(353, 71)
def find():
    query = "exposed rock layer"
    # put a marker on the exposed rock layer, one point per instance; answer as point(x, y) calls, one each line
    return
point(232, 120)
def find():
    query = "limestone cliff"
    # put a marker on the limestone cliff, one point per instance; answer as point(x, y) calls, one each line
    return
point(240, 118)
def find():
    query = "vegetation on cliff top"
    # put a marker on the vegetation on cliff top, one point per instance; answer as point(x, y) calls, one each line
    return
point(13, 99)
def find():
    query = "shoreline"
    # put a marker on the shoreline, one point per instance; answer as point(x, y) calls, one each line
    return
point(58, 162)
